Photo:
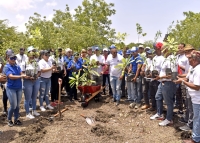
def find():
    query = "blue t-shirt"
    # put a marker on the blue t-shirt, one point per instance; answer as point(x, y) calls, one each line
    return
point(77, 66)
point(14, 70)
point(68, 59)
point(136, 61)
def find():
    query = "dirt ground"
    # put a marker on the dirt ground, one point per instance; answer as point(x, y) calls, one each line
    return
point(112, 125)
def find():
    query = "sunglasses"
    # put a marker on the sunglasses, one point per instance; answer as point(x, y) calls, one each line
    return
point(13, 58)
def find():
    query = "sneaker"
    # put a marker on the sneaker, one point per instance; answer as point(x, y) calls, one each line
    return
point(145, 107)
point(165, 123)
point(10, 123)
point(50, 107)
point(182, 120)
point(137, 105)
point(42, 108)
point(35, 113)
point(157, 117)
point(30, 116)
point(17, 122)
point(185, 128)
point(132, 105)
point(117, 103)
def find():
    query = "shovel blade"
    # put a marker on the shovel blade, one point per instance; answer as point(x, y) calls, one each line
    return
point(90, 121)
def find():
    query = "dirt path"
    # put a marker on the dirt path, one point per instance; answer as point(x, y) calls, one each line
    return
point(113, 125)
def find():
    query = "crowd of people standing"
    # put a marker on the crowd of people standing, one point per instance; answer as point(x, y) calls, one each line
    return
point(37, 73)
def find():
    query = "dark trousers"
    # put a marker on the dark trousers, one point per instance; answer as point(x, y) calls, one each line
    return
point(106, 76)
point(73, 92)
point(67, 86)
point(123, 87)
point(146, 91)
point(153, 85)
point(54, 86)
point(178, 97)
point(61, 76)
point(5, 100)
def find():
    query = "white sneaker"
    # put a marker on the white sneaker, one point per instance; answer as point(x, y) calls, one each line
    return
point(30, 116)
point(156, 117)
point(132, 105)
point(165, 123)
point(42, 108)
point(35, 113)
point(50, 107)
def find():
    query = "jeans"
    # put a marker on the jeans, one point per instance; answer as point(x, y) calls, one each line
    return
point(31, 89)
point(196, 123)
point(107, 76)
point(166, 91)
point(116, 87)
point(179, 99)
point(137, 90)
point(153, 86)
point(14, 97)
point(189, 111)
point(45, 84)
point(130, 90)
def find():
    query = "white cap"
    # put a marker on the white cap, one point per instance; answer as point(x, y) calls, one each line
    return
point(105, 49)
point(68, 50)
point(147, 48)
point(141, 46)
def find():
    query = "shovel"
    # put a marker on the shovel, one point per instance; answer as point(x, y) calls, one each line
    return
point(89, 120)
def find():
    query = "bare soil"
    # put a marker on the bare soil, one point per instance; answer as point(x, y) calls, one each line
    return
point(113, 124)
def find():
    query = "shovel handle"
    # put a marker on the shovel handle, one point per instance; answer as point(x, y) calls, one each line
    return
point(82, 115)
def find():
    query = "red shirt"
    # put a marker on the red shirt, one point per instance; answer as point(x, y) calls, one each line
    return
point(104, 61)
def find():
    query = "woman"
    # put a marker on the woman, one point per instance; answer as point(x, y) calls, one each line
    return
point(14, 89)
point(45, 80)
point(31, 85)
point(74, 66)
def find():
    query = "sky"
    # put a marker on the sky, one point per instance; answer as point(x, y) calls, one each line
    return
point(152, 15)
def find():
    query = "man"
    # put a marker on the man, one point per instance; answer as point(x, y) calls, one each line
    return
point(89, 52)
point(21, 58)
point(192, 81)
point(115, 74)
point(188, 116)
point(145, 71)
point(106, 75)
point(136, 84)
point(99, 62)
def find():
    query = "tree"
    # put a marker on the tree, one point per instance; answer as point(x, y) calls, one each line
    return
point(120, 37)
point(140, 31)
point(187, 30)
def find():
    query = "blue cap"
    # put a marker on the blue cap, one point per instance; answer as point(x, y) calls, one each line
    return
point(128, 52)
point(30, 48)
point(134, 49)
point(150, 51)
point(96, 48)
point(120, 52)
point(112, 46)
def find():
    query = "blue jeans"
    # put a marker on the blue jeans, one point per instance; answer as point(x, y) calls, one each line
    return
point(130, 90)
point(137, 90)
point(116, 87)
point(196, 123)
point(31, 89)
point(45, 84)
point(167, 92)
point(14, 97)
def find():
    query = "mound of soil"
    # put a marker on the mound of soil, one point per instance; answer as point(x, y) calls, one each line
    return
point(99, 130)
point(34, 132)
point(103, 117)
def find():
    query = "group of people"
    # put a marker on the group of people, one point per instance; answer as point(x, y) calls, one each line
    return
point(146, 76)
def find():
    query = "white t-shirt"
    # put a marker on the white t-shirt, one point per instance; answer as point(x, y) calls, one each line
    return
point(59, 61)
point(21, 60)
point(100, 58)
point(148, 63)
point(194, 77)
point(34, 67)
point(43, 65)
point(112, 62)
point(183, 61)
point(156, 63)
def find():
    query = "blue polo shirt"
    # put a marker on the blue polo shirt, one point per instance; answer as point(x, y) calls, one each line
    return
point(137, 60)
point(77, 65)
point(14, 70)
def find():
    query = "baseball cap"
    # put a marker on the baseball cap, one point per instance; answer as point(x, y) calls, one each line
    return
point(112, 46)
point(105, 49)
point(12, 55)
point(134, 49)
point(120, 52)
point(150, 51)
point(68, 50)
point(147, 48)
point(141, 46)
point(188, 47)
point(30, 48)
point(96, 48)
point(89, 48)
point(9, 52)
point(128, 52)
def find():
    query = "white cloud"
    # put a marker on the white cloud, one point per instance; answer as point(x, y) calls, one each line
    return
point(17, 5)
point(53, 3)
point(19, 17)
point(21, 28)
